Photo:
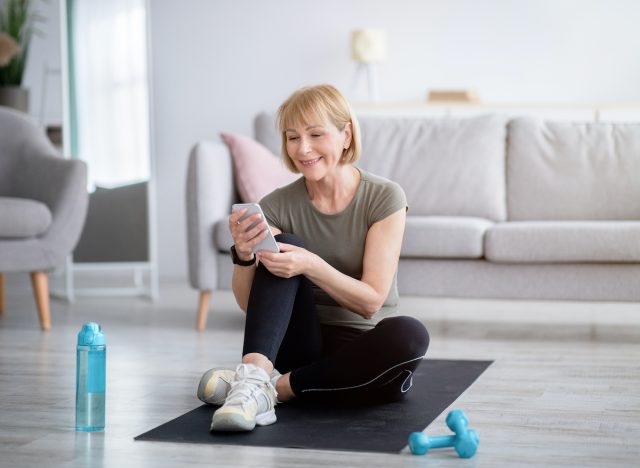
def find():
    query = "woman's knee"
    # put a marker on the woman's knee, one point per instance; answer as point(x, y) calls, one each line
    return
point(288, 238)
point(411, 335)
point(285, 238)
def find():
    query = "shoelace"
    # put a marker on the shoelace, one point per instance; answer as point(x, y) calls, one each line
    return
point(246, 387)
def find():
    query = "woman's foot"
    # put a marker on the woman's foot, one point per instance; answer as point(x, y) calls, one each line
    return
point(250, 401)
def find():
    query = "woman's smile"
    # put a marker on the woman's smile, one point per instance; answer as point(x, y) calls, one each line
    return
point(310, 162)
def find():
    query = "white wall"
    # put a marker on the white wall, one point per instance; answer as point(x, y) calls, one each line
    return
point(217, 63)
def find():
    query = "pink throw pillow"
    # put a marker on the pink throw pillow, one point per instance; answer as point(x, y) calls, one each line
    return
point(258, 171)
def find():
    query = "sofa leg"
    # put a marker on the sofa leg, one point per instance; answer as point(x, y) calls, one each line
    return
point(40, 285)
point(203, 309)
point(2, 289)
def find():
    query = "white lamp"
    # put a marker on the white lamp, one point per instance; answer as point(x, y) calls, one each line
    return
point(368, 47)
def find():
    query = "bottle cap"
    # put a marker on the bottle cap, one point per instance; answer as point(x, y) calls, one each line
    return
point(91, 334)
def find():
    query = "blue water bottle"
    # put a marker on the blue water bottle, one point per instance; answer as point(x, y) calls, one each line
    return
point(90, 378)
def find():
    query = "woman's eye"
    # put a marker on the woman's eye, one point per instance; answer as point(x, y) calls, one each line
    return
point(316, 135)
point(292, 138)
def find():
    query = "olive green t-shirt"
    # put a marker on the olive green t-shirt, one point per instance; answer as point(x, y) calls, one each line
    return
point(338, 238)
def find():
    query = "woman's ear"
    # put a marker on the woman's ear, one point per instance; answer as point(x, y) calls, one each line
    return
point(347, 135)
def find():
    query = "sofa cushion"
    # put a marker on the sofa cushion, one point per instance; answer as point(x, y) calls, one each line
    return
point(447, 167)
point(444, 237)
point(23, 218)
point(257, 172)
point(573, 171)
point(425, 236)
point(568, 241)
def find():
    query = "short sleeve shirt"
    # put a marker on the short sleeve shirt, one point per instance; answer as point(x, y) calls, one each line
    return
point(338, 238)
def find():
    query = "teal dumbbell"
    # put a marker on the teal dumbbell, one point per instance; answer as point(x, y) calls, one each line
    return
point(465, 441)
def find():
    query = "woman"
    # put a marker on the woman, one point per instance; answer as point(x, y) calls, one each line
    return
point(322, 311)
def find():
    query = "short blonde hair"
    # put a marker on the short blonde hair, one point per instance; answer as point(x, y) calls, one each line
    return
point(323, 102)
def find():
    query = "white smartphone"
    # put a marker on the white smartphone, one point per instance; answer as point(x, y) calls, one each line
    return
point(268, 243)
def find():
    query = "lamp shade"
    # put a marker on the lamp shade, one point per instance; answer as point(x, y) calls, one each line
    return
point(369, 45)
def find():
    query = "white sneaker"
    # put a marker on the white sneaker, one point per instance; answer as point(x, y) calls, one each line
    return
point(215, 384)
point(250, 401)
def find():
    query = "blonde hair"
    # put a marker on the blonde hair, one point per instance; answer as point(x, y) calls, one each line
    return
point(323, 102)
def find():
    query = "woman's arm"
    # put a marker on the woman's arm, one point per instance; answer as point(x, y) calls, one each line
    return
point(243, 279)
point(244, 242)
point(364, 297)
point(241, 284)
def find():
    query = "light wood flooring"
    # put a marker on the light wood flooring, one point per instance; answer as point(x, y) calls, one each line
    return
point(564, 389)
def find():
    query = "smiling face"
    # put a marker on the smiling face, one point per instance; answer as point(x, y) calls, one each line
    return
point(318, 130)
point(316, 147)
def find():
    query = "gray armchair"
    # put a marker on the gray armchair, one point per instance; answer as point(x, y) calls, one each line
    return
point(43, 204)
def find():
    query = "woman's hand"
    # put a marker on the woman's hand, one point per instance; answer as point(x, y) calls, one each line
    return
point(291, 261)
point(244, 240)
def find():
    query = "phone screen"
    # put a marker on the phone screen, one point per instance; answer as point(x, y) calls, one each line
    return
point(268, 243)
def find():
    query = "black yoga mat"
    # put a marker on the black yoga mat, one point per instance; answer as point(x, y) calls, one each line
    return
point(383, 428)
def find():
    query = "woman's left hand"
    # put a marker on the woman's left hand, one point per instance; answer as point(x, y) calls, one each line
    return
point(291, 261)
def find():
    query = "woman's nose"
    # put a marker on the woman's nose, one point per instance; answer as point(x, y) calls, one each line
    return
point(305, 147)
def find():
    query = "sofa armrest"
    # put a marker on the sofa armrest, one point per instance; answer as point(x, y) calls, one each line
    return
point(61, 184)
point(210, 193)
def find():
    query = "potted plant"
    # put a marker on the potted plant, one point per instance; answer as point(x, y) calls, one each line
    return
point(16, 30)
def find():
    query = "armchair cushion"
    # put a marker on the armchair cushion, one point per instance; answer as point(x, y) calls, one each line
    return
point(23, 218)
point(257, 170)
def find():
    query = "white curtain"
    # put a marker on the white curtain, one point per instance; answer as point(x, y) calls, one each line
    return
point(111, 90)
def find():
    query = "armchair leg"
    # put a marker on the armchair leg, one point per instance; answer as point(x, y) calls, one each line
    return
point(40, 285)
point(203, 309)
point(2, 289)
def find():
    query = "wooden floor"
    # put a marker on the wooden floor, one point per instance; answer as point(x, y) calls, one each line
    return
point(564, 389)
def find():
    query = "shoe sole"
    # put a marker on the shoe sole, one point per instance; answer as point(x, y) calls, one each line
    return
point(230, 422)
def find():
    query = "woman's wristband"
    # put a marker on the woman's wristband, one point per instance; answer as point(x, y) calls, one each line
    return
point(238, 261)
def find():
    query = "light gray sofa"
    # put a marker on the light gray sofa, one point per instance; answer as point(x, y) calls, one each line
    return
point(498, 207)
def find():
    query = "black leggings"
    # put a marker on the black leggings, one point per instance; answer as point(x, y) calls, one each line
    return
point(332, 364)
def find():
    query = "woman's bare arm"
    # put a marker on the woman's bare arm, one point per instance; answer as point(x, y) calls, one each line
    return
point(365, 296)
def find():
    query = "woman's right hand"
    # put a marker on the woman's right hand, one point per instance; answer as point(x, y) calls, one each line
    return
point(243, 239)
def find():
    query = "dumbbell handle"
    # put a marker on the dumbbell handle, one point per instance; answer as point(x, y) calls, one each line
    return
point(441, 441)
point(420, 443)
